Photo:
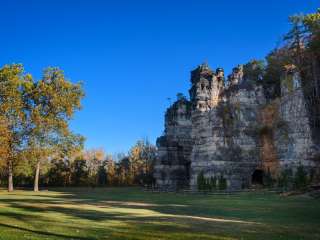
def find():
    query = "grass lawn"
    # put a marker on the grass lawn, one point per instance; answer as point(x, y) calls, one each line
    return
point(130, 213)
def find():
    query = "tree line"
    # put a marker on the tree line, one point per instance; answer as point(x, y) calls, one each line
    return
point(93, 168)
point(90, 168)
point(37, 145)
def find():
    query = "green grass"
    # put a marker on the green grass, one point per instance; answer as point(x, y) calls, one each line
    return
point(129, 213)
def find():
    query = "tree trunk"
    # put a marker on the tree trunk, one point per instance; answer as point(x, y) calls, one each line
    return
point(10, 176)
point(36, 178)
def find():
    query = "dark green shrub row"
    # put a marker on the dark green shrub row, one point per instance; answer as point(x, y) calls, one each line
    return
point(211, 183)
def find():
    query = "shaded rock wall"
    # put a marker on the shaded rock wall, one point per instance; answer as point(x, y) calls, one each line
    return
point(293, 137)
point(232, 131)
point(174, 147)
point(224, 143)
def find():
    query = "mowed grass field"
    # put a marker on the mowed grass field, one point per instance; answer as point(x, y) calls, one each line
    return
point(130, 213)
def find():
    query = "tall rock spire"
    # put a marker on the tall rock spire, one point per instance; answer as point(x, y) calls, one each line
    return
point(206, 87)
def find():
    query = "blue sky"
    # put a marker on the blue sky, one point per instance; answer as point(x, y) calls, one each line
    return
point(133, 55)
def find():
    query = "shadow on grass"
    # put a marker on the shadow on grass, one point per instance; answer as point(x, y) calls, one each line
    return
point(145, 228)
point(148, 213)
point(199, 208)
point(42, 232)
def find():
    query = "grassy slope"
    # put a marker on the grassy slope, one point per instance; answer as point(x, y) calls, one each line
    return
point(129, 213)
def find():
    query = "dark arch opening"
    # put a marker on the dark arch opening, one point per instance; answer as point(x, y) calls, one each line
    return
point(257, 177)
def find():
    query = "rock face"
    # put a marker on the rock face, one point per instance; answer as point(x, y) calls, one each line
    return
point(175, 146)
point(232, 133)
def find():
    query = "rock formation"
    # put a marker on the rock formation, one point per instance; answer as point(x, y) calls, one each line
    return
point(229, 130)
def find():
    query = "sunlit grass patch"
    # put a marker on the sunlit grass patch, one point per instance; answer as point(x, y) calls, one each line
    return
point(129, 213)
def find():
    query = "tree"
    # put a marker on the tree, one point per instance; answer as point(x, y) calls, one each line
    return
point(4, 140)
point(180, 97)
point(4, 145)
point(253, 71)
point(59, 172)
point(125, 172)
point(276, 60)
point(79, 172)
point(111, 171)
point(296, 38)
point(300, 177)
point(142, 156)
point(201, 181)
point(268, 179)
point(13, 85)
point(136, 162)
point(285, 178)
point(312, 24)
point(222, 183)
point(52, 102)
point(149, 156)
point(94, 159)
point(102, 176)
point(213, 183)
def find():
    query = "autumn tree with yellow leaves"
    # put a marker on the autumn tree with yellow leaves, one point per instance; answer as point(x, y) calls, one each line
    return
point(34, 117)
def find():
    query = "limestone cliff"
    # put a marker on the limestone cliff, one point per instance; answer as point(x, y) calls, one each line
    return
point(230, 130)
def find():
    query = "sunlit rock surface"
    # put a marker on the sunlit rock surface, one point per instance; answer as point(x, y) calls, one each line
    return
point(232, 130)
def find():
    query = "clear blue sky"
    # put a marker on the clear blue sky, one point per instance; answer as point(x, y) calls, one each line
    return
point(132, 55)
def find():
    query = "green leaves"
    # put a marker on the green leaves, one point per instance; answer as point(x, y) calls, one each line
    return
point(312, 21)
point(35, 115)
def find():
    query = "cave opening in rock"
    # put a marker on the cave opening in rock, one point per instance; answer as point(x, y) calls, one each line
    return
point(257, 177)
